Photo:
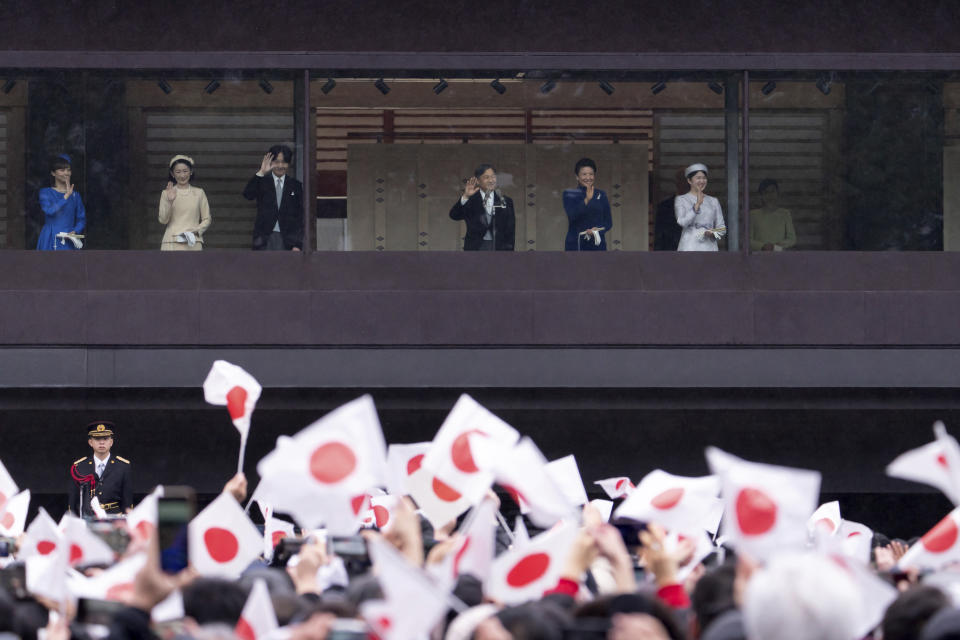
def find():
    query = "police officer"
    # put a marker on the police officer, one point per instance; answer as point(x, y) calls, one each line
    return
point(102, 476)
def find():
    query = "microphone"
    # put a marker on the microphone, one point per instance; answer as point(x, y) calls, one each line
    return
point(503, 204)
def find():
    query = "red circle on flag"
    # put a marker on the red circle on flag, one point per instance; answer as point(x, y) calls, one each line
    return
point(3, 499)
point(244, 631)
point(356, 503)
point(827, 523)
point(383, 622)
point(756, 512)
point(45, 546)
point(942, 537)
point(76, 553)
point(236, 402)
point(382, 514)
point(668, 499)
point(855, 533)
point(143, 529)
point(276, 537)
point(120, 591)
point(444, 491)
point(530, 569)
point(221, 544)
point(460, 452)
point(413, 464)
point(8, 520)
point(942, 461)
point(332, 462)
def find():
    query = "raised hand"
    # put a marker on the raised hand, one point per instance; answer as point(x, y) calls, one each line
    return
point(267, 163)
point(589, 195)
point(69, 191)
point(699, 196)
point(171, 191)
point(470, 188)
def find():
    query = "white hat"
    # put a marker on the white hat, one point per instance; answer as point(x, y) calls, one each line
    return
point(694, 168)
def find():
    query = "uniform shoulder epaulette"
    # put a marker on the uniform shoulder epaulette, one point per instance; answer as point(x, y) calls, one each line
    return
point(121, 459)
point(80, 460)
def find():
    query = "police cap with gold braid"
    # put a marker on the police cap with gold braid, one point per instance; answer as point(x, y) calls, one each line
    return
point(100, 429)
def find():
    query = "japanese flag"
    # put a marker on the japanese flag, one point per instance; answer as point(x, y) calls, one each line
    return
point(526, 571)
point(116, 583)
point(856, 540)
point(227, 384)
point(46, 574)
point(414, 602)
point(142, 519)
point(767, 506)
point(82, 545)
point(677, 503)
point(222, 540)
point(258, 619)
point(825, 520)
point(605, 507)
point(402, 461)
point(451, 458)
point(8, 488)
point(437, 501)
point(566, 475)
point(522, 471)
point(616, 487)
point(474, 554)
point(42, 536)
point(938, 547)
point(380, 513)
point(324, 471)
point(13, 514)
point(275, 530)
point(936, 464)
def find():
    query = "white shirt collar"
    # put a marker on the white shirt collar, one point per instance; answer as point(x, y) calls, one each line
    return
point(97, 462)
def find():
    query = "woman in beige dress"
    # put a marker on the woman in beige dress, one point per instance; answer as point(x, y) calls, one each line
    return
point(183, 208)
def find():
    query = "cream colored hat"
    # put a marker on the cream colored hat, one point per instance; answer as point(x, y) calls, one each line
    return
point(175, 158)
point(692, 169)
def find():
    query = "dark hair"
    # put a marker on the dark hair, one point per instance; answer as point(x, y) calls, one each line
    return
point(287, 152)
point(209, 600)
point(766, 184)
point(58, 162)
point(907, 615)
point(584, 162)
point(175, 163)
point(481, 169)
point(713, 594)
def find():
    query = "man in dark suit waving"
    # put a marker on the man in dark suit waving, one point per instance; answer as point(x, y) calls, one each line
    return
point(279, 223)
point(489, 214)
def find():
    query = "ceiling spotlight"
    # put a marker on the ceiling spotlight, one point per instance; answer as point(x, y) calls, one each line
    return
point(265, 85)
point(498, 86)
point(548, 86)
point(716, 87)
point(657, 88)
point(163, 84)
point(328, 86)
point(212, 86)
point(440, 87)
point(382, 86)
point(606, 87)
point(768, 88)
point(9, 85)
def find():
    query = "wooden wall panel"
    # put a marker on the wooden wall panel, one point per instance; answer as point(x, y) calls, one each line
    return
point(399, 195)
point(951, 199)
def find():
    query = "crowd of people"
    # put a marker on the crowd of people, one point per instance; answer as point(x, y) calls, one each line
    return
point(431, 560)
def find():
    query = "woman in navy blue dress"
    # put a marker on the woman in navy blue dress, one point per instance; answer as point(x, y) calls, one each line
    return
point(62, 207)
point(588, 211)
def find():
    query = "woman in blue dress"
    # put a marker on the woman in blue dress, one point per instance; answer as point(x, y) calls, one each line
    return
point(62, 207)
point(588, 211)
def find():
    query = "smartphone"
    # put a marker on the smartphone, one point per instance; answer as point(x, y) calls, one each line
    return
point(174, 511)
point(113, 533)
point(353, 551)
point(101, 612)
point(630, 532)
point(285, 549)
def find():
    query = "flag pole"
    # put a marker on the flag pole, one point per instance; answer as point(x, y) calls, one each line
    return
point(505, 526)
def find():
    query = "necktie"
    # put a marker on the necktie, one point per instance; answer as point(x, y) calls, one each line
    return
point(100, 466)
point(488, 207)
point(279, 192)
